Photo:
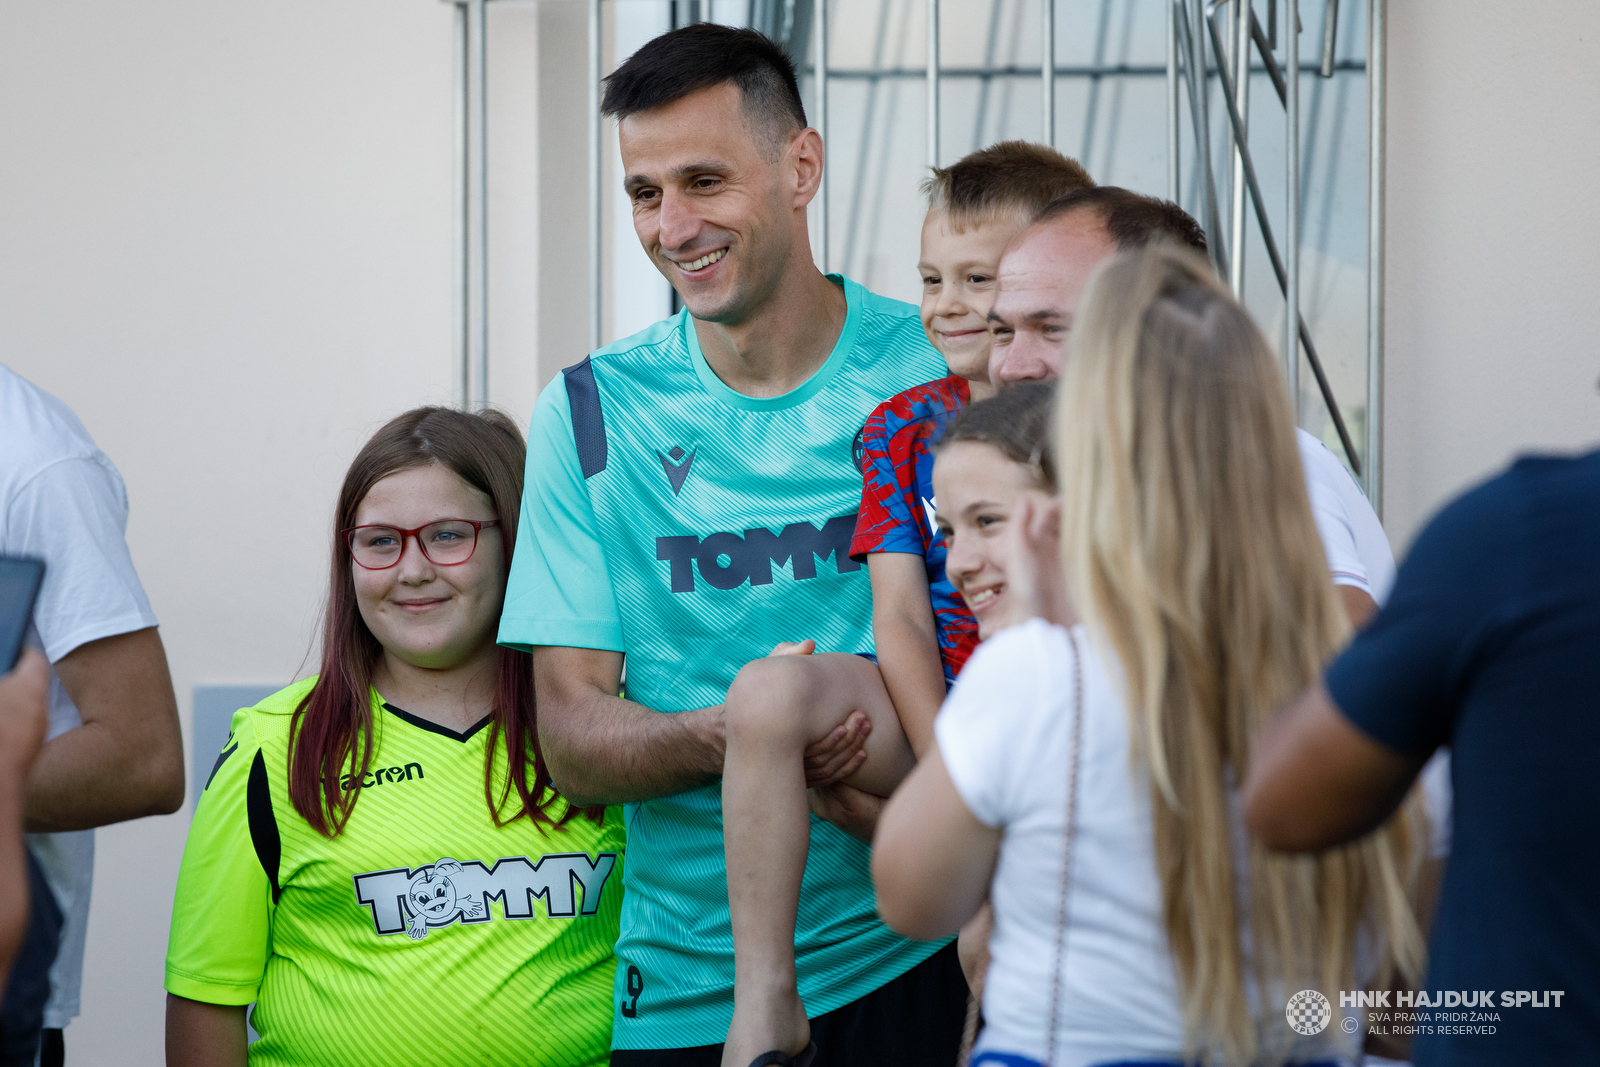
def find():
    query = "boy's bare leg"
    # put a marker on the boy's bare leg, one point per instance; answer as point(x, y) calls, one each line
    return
point(775, 708)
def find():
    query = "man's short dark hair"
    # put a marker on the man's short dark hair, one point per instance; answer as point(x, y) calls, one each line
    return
point(702, 55)
point(1132, 219)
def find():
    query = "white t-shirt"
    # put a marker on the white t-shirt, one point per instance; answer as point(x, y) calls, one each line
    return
point(62, 501)
point(1359, 555)
point(1358, 550)
point(1005, 733)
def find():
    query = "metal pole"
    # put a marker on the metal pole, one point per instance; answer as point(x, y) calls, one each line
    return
point(1254, 185)
point(1330, 36)
point(1291, 235)
point(821, 79)
point(1377, 65)
point(463, 183)
point(1047, 71)
point(478, 142)
point(1265, 47)
point(933, 84)
point(1172, 107)
point(1193, 50)
point(1241, 82)
point(595, 275)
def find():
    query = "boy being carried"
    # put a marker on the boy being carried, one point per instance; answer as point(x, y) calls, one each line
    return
point(975, 208)
point(922, 628)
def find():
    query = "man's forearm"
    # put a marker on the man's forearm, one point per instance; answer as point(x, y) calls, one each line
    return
point(613, 751)
point(1316, 781)
point(602, 749)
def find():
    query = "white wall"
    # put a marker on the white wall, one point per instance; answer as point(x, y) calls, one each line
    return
point(225, 240)
point(1494, 242)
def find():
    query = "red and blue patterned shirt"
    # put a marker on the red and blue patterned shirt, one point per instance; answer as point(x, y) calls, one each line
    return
point(895, 453)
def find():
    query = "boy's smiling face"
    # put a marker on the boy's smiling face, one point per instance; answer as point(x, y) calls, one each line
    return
point(958, 288)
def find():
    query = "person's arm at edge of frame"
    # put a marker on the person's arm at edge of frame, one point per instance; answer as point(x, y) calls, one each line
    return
point(24, 715)
point(603, 749)
point(1317, 781)
point(205, 1035)
point(129, 744)
point(932, 860)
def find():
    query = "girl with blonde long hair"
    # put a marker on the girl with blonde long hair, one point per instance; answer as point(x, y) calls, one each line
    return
point(1086, 776)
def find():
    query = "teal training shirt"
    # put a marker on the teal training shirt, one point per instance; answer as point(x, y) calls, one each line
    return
point(692, 528)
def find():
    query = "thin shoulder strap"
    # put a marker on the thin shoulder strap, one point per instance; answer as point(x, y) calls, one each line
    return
point(970, 1030)
point(1066, 850)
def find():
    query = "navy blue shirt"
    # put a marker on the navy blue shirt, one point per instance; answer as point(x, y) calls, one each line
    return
point(1490, 644)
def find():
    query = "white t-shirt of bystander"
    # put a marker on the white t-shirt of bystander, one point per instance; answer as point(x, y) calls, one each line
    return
point(1352, 537)
point(1359, 555)
point(1005, 734)
point(62, 501)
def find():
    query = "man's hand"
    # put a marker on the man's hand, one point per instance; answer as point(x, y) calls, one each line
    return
point(850, 809)
point(24, 715)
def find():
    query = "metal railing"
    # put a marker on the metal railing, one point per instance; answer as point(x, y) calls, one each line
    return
point(1187, 71)
point(1188, 64)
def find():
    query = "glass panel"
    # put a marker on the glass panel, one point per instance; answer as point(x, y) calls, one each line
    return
point(1110, 104)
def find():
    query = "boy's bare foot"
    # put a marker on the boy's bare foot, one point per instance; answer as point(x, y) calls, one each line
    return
point(762, 1024)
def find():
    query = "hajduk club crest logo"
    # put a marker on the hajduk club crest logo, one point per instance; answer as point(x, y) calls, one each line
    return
point(1308, 1012)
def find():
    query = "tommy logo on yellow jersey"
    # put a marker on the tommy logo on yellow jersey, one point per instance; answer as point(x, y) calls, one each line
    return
point(416, 900)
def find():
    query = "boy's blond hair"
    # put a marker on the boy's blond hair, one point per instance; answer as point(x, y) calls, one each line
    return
point(1012, 178)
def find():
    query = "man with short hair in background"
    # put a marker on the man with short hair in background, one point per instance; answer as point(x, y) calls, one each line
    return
point(114, 750)
point(690, 499)
point(1042, 277)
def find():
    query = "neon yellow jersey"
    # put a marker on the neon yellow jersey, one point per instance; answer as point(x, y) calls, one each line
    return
point(423, 934)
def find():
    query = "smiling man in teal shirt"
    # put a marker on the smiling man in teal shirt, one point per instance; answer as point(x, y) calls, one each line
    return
point(689, 504)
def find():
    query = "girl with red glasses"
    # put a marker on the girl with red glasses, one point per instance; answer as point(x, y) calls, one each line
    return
point(379, 861)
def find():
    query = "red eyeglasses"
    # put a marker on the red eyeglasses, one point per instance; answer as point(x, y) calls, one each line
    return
point(447, 542)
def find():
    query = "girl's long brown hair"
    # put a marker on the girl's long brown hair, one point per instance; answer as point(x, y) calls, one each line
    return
point(1189, 547)
point(330, 739)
